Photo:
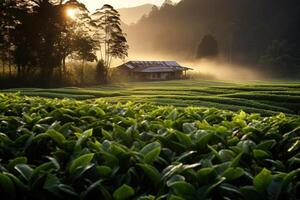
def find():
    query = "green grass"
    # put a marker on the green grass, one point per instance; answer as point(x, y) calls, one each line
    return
point(263, 97)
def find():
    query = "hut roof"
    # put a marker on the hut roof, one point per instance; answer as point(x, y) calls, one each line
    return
point(154, 66)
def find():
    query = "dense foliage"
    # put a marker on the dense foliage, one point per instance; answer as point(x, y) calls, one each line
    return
point(68, 149)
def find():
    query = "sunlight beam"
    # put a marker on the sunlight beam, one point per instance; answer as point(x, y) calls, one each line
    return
point(71, 13)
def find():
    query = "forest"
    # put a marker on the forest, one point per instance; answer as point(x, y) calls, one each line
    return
point(39, 37)
point(261, 34)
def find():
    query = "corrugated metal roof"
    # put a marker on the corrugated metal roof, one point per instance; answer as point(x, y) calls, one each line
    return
point(154, 66)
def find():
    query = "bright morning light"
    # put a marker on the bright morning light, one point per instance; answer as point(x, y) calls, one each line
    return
point(71, 13)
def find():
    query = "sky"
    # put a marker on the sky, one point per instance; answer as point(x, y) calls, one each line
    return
point(94, 4)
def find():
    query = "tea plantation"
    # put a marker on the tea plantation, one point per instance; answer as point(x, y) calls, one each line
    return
point(94, 149)
point(267, 98)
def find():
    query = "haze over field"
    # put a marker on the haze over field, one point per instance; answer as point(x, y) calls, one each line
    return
point(207, 68)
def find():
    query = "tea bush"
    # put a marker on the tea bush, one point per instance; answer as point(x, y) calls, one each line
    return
point(68, 149)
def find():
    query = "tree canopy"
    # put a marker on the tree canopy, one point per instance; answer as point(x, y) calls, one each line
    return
point(208, 47)
point(38, 36)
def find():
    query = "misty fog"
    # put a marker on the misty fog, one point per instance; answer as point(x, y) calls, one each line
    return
point(256, 39)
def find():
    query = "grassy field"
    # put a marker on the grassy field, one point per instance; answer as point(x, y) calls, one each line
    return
point(262, 97)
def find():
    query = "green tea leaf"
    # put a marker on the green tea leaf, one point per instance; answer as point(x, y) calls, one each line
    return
point(106, 134)
point(86, 134)
point(233, 173)
point(104, 170)
point(151, 172)
point(262, 180)
point(25, 171)
point(260, 153)
point(183, 188)
point(226, 155)
point(92, 187)
point(205, 175)
point(19, 160)
point(56, 136)
point(6, 185)
point(175, 178)
point(18, 183)
point(151, 152)
point(123, 192)
point(246, 146)
point(266, 144)
point(184, 138)
point(294, 147)
point(173, 115)
point(203, 140)
point(51, 184)
point(213, 186)
point(175, 197)
point(188, 128)
point(214, 152)
point(81, 161)
point(250, 193)
point(236, 160)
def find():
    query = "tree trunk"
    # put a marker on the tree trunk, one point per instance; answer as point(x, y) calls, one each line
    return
point(110, 59)
point(9, 66)
point(82, 72)
point(64, 64)
point(101, 53)
point(3, 67)
point(18, 71)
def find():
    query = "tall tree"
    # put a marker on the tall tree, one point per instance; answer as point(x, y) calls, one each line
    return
point(43, 36)
point(109, 34)
point(281, 55)
point(85, 52)
point(8, 21)
point(208, 48)
point(77, 30)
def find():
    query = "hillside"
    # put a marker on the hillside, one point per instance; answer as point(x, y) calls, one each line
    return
point(133, 14)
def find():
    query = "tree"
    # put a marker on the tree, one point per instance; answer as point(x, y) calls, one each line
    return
point(281, 55)
point(8, 21)
point(208, 48)
point(168, 3)
point(42, 34)
point(38, 36)
point(79, 41)
point(85, 52)
point(101, 72)
point(111, 39)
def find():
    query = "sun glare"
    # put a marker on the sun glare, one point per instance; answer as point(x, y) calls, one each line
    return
point(71, 12)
